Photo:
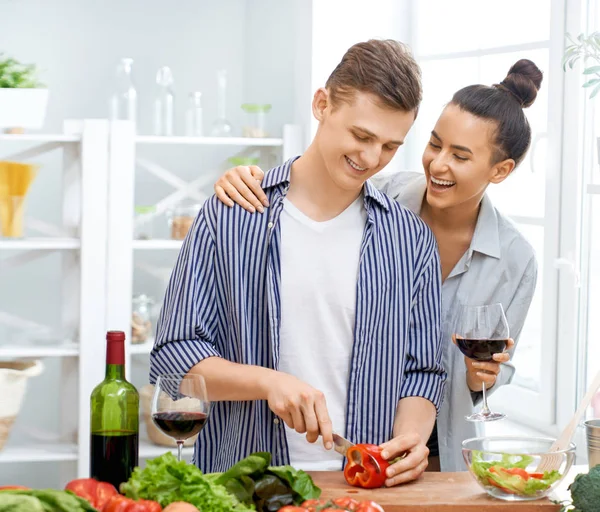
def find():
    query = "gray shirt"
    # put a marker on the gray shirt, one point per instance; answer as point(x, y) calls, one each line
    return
point(499, 266)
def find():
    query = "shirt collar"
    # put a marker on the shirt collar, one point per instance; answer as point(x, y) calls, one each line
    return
point(281, 176)
point(486, 238)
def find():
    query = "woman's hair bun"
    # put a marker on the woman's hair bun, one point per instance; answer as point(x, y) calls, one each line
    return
point(522, 82)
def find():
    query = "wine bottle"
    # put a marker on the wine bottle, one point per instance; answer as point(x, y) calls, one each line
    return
point(114, 418)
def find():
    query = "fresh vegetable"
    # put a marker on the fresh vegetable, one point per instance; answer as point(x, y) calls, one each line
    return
point(253, 482)
point(585, 492)
point(167, 481)
point(12, 487)
point(43, 500)
point(361, 471)
point(335, 505)
point(180, 506)
point(510, 474)
point(97, 493)
point(119, 503)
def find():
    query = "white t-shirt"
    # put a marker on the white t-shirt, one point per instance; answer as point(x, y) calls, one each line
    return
point(319, 273)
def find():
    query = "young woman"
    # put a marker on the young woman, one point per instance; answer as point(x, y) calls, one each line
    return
point(480, 138)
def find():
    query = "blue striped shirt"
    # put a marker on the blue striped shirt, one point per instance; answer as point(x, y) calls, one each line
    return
point(223, 300)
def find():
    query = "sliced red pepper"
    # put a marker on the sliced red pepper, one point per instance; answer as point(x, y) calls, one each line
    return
point(361, 471)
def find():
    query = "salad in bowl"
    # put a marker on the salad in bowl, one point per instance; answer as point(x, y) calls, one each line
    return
point(508, 467)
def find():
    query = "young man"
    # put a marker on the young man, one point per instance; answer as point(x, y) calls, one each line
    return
point(323, 314)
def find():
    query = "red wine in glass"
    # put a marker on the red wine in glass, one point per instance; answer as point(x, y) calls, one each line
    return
point(180, 425)
point(180, 406)
point(481, 332)
point(481, 349)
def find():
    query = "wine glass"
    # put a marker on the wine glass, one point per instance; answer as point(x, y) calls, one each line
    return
point(482, 331)
point(180, 406)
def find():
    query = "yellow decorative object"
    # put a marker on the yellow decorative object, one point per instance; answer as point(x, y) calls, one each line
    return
point(15, 179)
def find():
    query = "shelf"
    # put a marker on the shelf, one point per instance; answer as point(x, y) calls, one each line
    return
point(39, 453)
point(41, 137)
point(209, 141)
point(141, 348)
point(43, 244)
point(64, 350)
point(148, 450)
point(157, 244)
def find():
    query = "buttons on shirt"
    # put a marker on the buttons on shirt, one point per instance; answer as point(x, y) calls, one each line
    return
point(276, 421)
point(270, 225)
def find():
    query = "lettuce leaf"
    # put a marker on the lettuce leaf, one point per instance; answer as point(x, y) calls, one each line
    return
point(165, 480)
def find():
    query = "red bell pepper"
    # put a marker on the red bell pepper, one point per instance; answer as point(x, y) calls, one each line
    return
point(97, 493)
point(361, 471)
point(122, 504)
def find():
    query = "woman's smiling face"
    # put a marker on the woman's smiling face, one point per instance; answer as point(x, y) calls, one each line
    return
point(459, 159)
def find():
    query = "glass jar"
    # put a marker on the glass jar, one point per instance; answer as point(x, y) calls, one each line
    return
point(193, 115)
point(123, 101)
point(256, 120)
point(243, 160)
point(142, 224)
point(141, 319)
point(181, 219)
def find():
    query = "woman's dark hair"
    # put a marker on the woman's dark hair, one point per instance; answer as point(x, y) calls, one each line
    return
point(503, 104)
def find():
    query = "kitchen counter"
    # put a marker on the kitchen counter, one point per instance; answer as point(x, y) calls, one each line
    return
point(433, 492)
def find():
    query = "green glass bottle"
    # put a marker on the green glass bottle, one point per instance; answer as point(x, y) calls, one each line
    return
point(114, 425)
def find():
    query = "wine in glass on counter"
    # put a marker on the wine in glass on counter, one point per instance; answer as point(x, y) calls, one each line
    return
point(180, 406)
point(114, 418)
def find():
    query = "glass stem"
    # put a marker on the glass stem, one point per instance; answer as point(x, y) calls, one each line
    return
point(179, 450)
point(485, 410)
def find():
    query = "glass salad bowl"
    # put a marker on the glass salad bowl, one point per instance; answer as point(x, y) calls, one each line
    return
point(507, 467)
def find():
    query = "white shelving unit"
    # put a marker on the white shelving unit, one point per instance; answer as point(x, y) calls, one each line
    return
point(40, 244)
point(48, 452)
point(81, 245)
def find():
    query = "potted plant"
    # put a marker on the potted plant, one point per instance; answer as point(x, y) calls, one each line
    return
point(23, 99)
point(586, 49)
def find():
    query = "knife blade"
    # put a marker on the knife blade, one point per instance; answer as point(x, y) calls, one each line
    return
point(342, 445)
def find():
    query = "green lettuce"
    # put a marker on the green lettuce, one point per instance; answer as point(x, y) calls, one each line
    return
point(166, 480)
point(493, 472)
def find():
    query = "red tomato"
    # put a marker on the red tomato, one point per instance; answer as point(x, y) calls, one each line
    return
point(346, 503)
point(97, 493)
point(292, 508)
point(360, 471)
point(313, 505)
point(369, 506)
point(122, 504)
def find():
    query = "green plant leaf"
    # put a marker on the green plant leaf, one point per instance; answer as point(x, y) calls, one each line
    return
point(592, 70)
point(589, 83)
point(595, 91)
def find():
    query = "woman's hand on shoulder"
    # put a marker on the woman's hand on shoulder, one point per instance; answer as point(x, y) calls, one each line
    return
point(241, 185)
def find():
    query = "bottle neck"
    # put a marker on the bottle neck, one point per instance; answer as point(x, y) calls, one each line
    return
point(115, 360)
point(115, 371)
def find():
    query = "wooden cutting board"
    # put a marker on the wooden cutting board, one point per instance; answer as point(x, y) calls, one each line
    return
point(433, 492)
